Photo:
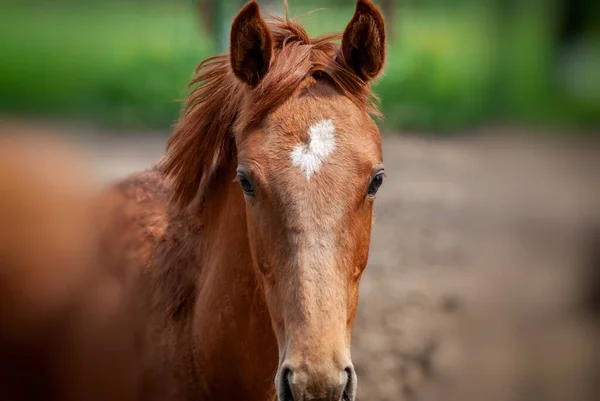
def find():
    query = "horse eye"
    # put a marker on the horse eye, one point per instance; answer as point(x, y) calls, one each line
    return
point(375, 183)
point(246, 184)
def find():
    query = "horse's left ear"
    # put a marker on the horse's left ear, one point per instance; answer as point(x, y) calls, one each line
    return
point(251, 45)
point(363, 43)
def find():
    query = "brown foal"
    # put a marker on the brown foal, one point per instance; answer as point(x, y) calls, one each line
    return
point(254, 229)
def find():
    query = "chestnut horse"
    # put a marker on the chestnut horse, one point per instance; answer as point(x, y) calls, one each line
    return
point(254, 229)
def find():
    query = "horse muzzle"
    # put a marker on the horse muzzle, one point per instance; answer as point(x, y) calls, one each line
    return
point(299, 383)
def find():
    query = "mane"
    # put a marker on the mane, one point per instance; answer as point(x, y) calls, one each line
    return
point(203, 140)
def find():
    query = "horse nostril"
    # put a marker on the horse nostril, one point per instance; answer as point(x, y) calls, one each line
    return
point(285, 392)
point(302, 384)
point(350, 386)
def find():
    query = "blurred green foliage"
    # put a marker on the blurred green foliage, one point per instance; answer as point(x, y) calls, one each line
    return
point(126, 64)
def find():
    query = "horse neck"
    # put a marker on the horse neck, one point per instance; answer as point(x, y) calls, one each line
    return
point(231, 327)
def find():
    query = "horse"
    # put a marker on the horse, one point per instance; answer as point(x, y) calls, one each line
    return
point(70, 326)
point(252, 232)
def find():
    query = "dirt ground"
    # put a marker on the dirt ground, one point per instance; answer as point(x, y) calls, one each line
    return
point(478, 284)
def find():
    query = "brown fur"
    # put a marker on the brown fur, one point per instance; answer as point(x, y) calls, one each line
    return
point(203, 139)
point(364, 39)
point(213, 295)
point(72, 316)
point(227, 270)
point(252, 45)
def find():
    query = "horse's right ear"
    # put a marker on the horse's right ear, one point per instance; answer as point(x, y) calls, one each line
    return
point(251, 45)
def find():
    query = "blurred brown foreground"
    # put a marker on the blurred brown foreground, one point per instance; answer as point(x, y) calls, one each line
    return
point(70, 328)
point(515, 315)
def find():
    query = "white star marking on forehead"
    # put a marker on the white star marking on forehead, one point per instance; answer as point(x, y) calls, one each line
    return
point(310, 156)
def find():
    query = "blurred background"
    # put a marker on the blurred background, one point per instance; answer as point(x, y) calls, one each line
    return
point(453, 64)
point(483, 280)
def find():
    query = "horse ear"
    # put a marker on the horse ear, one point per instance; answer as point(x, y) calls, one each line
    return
point(363, 43)
point(251, 45)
